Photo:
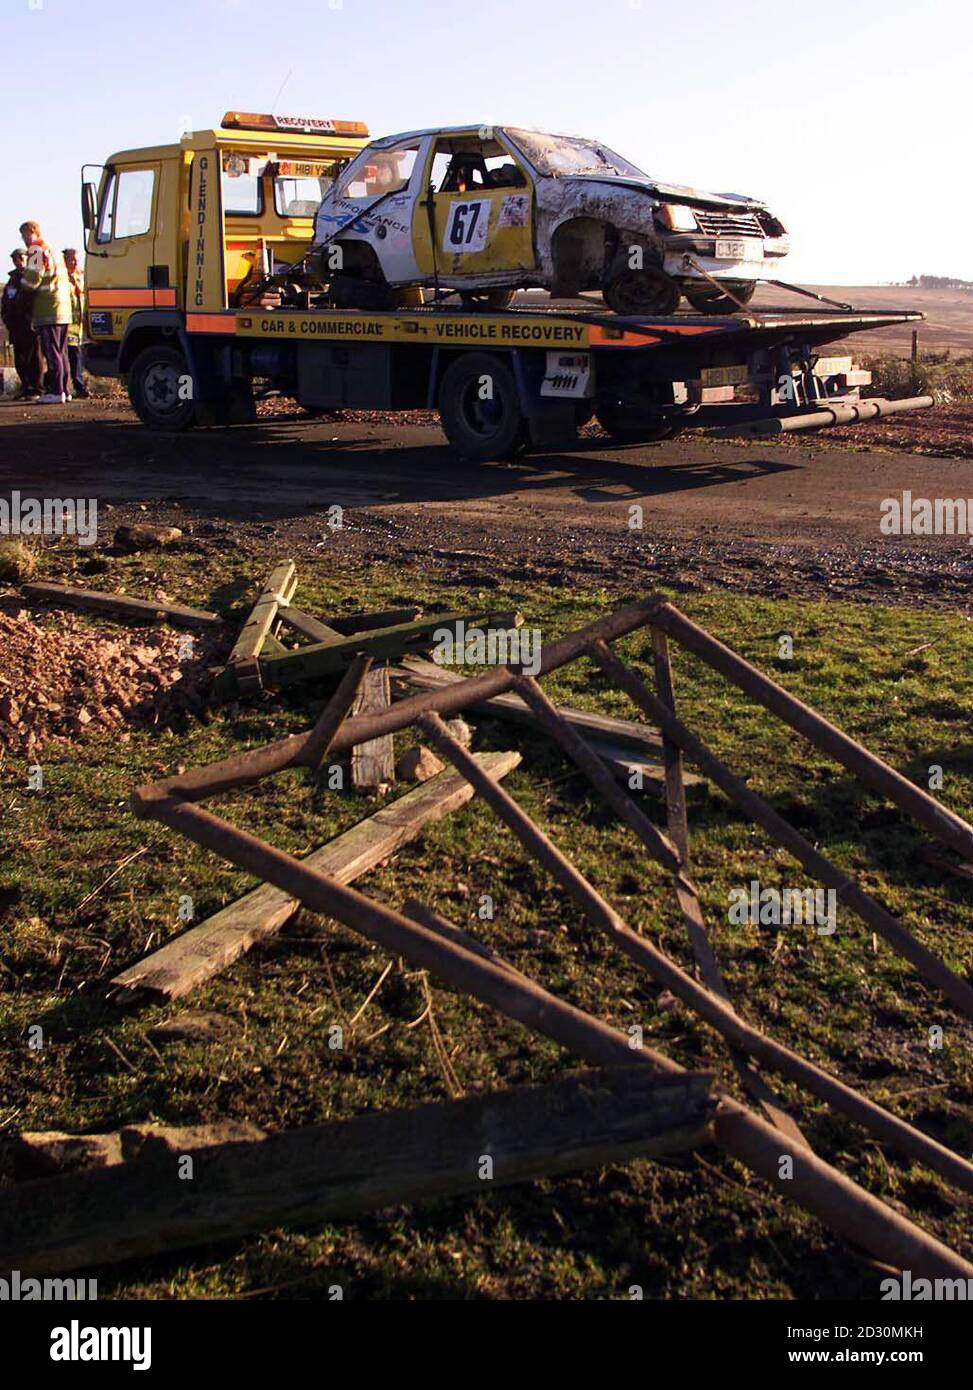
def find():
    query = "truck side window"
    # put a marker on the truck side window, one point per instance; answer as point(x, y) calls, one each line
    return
point(242, 187)
point(133, 202)
point(106, 214)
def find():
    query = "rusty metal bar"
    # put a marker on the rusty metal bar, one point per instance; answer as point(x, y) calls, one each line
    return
point(677, 823)
point(870, 770)
point(853, 1213)
point(926, 962)
point(428, 917)
point(825, 416)
point(677, 818)
point(245, 768)
point(703, 1001)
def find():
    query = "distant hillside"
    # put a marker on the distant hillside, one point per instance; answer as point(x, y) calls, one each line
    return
point(948, 311)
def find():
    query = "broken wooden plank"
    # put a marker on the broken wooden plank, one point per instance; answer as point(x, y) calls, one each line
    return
point(625, 744)
point(206, 949)
point(307, 625)
point(350, 623)
point(346, 1168)
point(50, 1153)
point(330, 657)
point(276, 593)
point(152, 610)
point(335, 712)
point(373, 763)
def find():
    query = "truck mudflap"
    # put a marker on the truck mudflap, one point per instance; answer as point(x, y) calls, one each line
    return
point(824, 416)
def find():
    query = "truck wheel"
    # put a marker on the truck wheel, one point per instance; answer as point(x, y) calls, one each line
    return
point(482, 426)
point(155, 388)
point(647, 291)
point(486, 299)
point(629, 424)
point(708, 300)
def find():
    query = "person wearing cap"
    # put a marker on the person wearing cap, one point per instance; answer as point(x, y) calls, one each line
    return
point(15, 309)
point(47, 276)
point(76, 326)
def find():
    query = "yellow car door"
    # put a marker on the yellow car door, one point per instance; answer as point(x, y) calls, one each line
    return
point(476, 218)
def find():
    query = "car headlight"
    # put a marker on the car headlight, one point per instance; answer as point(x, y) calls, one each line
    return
point(770, 225)
point(677, 217)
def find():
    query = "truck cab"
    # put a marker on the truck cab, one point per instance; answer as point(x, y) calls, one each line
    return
point(177, 233)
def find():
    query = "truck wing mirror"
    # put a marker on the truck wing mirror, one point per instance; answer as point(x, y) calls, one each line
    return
point(88, 206)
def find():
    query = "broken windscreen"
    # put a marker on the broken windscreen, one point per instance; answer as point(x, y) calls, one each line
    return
point(565, 155)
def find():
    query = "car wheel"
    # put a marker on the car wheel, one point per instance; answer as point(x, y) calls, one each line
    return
point(156, 388)
point(479, 407)
point(355, 292)
point(707, 299)
point(628, 424)
point(647, 291)
point(486, 299)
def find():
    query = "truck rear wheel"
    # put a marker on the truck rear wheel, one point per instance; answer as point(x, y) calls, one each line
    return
point(479, 407)
point(631, 425)
point(157, 388)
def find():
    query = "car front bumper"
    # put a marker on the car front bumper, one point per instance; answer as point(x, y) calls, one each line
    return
point(685, 256)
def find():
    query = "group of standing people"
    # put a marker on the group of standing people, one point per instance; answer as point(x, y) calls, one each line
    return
point(43, 312)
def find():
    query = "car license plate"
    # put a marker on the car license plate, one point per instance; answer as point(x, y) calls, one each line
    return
point(739, 249)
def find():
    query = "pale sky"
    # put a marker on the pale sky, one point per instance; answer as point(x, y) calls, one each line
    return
point(851, 118)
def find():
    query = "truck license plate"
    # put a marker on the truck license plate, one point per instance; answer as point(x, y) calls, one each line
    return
point(739, 249)
point(724, 376)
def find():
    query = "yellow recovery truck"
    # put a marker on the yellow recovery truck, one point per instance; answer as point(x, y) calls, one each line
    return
point(205, 290)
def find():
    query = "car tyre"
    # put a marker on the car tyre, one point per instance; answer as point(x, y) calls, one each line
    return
point(482, 429)
point(709, 300)
point(646, 291)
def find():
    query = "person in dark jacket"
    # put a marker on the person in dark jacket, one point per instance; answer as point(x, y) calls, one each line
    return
point(16, 308)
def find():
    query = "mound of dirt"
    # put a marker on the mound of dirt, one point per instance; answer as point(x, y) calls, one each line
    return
point(68, 678)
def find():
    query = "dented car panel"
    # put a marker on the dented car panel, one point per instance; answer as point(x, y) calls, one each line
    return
point(491, 207)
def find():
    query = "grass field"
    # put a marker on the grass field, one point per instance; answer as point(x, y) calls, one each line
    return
point(901, 680)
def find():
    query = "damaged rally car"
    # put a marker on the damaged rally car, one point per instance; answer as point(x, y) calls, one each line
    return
point(487, 210)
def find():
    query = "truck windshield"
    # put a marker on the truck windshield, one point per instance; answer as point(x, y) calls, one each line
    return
point(559, 156)
point(299, 197)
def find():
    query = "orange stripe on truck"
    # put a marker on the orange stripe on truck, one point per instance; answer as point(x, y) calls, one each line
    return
point(132, 298)
point(211, 323)
point(618, 337)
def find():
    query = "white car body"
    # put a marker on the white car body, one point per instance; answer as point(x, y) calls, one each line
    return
point(549, 229)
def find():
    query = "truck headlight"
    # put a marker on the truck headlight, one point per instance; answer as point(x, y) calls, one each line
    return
point(677, 217)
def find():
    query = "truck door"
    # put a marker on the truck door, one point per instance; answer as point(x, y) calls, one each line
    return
point(125, 234)
point(482, 204)
point(374, 202)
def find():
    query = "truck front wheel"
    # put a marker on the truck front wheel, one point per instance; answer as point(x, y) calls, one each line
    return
point(160, 387)
point(479, 407)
